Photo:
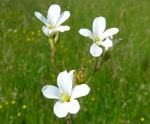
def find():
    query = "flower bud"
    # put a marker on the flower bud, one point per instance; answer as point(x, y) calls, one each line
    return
point(79, 76)
point(54, 37)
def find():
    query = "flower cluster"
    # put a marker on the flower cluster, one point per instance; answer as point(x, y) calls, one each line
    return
point(68, 91)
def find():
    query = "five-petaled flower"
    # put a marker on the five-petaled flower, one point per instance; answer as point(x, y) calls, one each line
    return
point(66, 94)
point(99, 36)
point(54, 20)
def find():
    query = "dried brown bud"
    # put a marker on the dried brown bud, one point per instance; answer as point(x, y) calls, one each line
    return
point(79, 76)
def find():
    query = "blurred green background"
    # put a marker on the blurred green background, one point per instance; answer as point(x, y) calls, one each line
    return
point(120, 91)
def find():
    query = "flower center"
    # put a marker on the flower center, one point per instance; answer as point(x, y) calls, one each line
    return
point(51, 27)
point(97, 39)
point(65, 98)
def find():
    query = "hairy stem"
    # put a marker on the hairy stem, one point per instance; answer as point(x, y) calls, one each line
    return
point(68, 119)
point(52, 41)
point(96, 68)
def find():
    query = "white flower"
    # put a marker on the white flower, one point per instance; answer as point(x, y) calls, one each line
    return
point(54, 20)
point(66, 94)
point(99, 36)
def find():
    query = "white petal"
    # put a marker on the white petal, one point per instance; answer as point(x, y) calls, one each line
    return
point(74, 106)
point(41, 17)
point(53, 14)
point(107, 43)
point(51, 92)
point(63, 17)
point(110, 32)
point(61, 109)
point(95, 50)
point(46, 31)
point(99, 25)
point(80, 90)
point(64, 82)
point(86, 33)
point(63, 28)
point(71, 73)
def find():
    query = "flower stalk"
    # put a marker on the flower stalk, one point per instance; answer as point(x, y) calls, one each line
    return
point(95, 69)
point(98, 65)
point(68, 118)
point(53, 40)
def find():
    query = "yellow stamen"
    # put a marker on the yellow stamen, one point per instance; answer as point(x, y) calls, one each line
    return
point(51, 27)
point(65, 98)
point(97, 39)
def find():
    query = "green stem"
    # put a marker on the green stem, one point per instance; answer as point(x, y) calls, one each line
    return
point(68, 119)
point(96, 68)
point(53, 41)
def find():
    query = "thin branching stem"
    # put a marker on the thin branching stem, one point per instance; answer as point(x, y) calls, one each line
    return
point(96, 68)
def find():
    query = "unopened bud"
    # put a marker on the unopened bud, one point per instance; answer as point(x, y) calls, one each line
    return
point(106, 56)
point(79, 76)
point(54, 37)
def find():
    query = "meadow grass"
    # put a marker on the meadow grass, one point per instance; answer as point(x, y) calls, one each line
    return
point(119, 91)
